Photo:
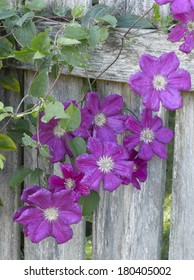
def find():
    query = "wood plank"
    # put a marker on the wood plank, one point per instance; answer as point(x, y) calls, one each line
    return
point(52, 4)
point(67, 88)
point(10, 241)
point(128, 223)
point(145, 41)
point(182, 213)
point(122, 7)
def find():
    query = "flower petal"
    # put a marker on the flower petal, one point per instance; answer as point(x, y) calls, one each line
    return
point(56, 183)
point(140, 83)
point(27, 214)
point(133, 124)
point(146, 117)
point(93, 179)
point(61, 232)
point(131, 141)
point(104, 134)
point(86, 163)
point(117, 123)
point(149, 64)
point(39, 230)
point(28, 191)
point(124, 168)
point(95, 146)
point(164, 135)
point(169, 63)
point(112, 104)
point(115, 151)
point(176, 33)
point(146, 152)
point(111, 182)
point(180, 79)
point(41, 198)
point(156, 123)
point(159, 149)
point(93, 102)
point(151, 100)
point(171, 98)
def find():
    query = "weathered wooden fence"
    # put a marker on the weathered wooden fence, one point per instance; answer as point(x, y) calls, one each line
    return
point(128, 223)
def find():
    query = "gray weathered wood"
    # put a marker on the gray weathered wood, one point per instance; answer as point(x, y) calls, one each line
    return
point(67, 88)
point(128, 223)
point(145, 41)
point(10, 242)
point(52, 4)
point(182, 213)
point(122, 7)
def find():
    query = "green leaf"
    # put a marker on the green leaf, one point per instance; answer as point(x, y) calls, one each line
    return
point(38, 55)
point(94, 38)
point(35, 5)
point(40, 84)
point(63, 41)
point(76, 32)
point(72, 57)
point(156, 12)
point(97, 11)
point(44, 151)
point(10, 83)
point(2, 159)
point(3, 116)
point(29, 142)
point(74, 118)
point(18, 176)
point(5, 48)
point(54, 110)
point(128, 20)
point(108, 19)
point(61, 11)
point(11, 22)
point(24, 55)
point(77, 11)
point(35, 175)
point(26, 16)
point(6, 143)
point(1, 203)
point(89, 203)
point(77, 146)
point(1, 64)
point(103, 33)
point(41, 43)
point(55, 70)
point(6, 13)
point(3, 4)
point(25, 33)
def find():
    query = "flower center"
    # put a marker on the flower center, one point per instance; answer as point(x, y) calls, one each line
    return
point(59, 131)
point(51, 214)
point(159, 82)
point(105, 164)
point(100, 119)
point(147, 135)
point(190, 26)
point(134, 168)
point(69, 183)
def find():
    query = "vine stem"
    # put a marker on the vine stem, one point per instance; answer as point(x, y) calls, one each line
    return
point(122, 44)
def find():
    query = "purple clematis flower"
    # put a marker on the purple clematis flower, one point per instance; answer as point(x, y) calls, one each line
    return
point(178, 6)
point(55, 137)
point(184, 31)
point(149, 135)
point(139, 170)
point(160, 80)
point(48, 214)
point(107, 164)
point(71, 180)
point(102, 119)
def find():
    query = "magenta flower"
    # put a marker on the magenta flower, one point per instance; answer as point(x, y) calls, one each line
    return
point(107, 164)
point(139, 170)
point(149, 135)
point(55, 137)
point(102, 119)
point(160, 80)
point(178, 6)
point(71, 180)
point(184, 31)
point(48, 214)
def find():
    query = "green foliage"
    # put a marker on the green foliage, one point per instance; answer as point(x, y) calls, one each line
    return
point(40, 84)
point(156, 11)
point(18, 176)
point(6, 143)
point(2, 159)
point(54, 110)
point(127, 21)
point(5, 48)
point(73, 120)
point(77, 146)
point(10, 83)
point(24, 34)
point(89, 203)
point(5, 111)
point(35, 5)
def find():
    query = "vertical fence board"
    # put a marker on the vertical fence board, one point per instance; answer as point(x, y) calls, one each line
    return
point(9, 231)
point(52, 4)
point(137, 7)
point(128, 223)
point(67, 88)
point(182, 214)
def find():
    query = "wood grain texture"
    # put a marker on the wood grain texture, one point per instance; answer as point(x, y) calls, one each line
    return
point(52, 4)
point(182, 213)
point(128, 223)
point(10, 241)
point(145, 41)
point(122, 7)
point(67, 88)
